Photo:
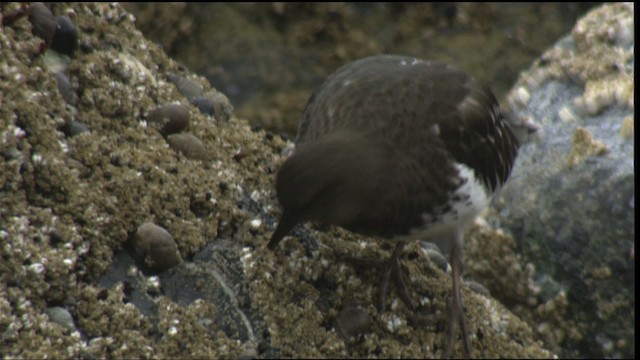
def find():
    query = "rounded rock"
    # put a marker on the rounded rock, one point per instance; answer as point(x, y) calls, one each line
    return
point(65, 40)
point(61, 316)
point(187, 87)
point(204, 105)
point(65, 89)
point(171, 118)
point(189, 145)
point(43, 22)
point(215, 104)
point(435, 255)
point(157, 246)
point(352, 321)
point(477, 287)
point(72, 128)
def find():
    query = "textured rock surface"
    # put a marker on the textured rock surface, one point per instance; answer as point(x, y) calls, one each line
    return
point(571, 200)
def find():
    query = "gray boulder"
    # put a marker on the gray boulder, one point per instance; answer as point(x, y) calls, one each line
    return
point(570, 202)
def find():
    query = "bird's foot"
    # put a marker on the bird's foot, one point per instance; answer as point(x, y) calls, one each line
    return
point(392, 271)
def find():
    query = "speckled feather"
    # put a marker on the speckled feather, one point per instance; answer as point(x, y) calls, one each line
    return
point(378, 147)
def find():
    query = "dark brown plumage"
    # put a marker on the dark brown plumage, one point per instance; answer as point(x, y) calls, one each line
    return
point(398, 148)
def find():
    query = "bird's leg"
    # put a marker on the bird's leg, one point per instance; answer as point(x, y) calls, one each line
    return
point(392, 271)
point(399, 276)
point(456, 311)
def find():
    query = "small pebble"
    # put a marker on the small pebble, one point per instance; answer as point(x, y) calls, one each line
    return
point(477, 287)
point(11, 154)
point(438, 259)
point(43, 22)
point(61, 316)
point(435, 255)
point(352, 321)
point(83, 171)
point(65, 40)
point(65, 89)
point(187, 87)
point(215, 104)
point(173, 118)
point(189, 145)
point(72, 128)
point(157, 246)
point(204, 105)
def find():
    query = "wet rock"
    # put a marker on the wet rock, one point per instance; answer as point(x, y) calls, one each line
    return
point(187, 87)
point(189, 145)
point(65, 40)
point(215, 104)
point(60, 315)
point(171, 118)
point(157, 246)
point(43, 22)
point(65, 88)
point(352, 321)
point(219, 265)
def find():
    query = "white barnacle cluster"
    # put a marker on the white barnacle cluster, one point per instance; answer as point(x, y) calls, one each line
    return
point(602, 93)
point(247, 258)
point(519, 98)
point(618, 29)
point(394, 323)
point(255, 223)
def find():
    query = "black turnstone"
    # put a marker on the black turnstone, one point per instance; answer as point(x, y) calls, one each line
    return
point(398, 148)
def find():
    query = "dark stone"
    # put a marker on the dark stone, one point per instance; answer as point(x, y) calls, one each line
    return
point(43, 22)
point(172, 118)
point(65, 40)
point(72, 128)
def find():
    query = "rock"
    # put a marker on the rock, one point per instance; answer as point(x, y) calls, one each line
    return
point(43, 22)
point(61, 316)
point(65, 40)
point(170, 118)
point(66, 90)
point(214, 104)
point(157, 246)
point(435, 255)
point(570, 200)
point(352, 321)
point(187, 87)
point(189, 145)
point(73, 128)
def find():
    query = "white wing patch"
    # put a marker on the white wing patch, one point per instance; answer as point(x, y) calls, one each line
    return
point(473, 198)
